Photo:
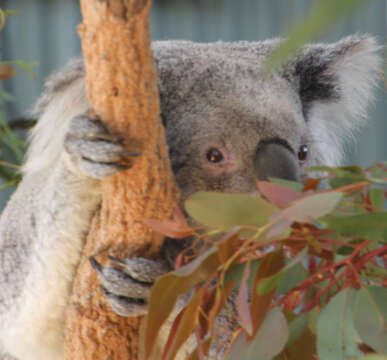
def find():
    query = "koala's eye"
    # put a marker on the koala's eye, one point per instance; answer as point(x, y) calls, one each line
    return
point(214, 156)
point(303, 152)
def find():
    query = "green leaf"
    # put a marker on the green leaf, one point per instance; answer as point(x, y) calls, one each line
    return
point(296, 328)
point(235, 273)
point(225, 211)
point(370, 317)
point(11, 12)
point(373, 357)
point(24, 65)
point(291, 278)
point(269, 341)
point(313, 318)
point(2, 19)
point(377, 198)
point(345, 175)
point(296, 186)
point(378, 173)
point(270, 283)
point(323, 15)
point(372, 226)
point(269, 265)
point(169, 287)
point(6, 96)
point(12, 141)
point(8, 184)
point(337, 338)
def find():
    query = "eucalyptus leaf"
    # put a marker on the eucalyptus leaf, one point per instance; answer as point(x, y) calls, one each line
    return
point(372, 226)
point(377, 198)
point(268, 284)
point(296, 328)
point(296, 186)
point(269, 341)
point(225, 211)
point(337, 338)
point(370, 317)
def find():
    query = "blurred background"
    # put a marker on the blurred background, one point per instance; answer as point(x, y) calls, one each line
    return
point(46, 31)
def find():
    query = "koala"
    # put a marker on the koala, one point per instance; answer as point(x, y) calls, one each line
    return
point(228, 123)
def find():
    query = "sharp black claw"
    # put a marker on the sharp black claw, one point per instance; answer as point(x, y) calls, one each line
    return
point(130, 153)
point(124, 167)
point(105, 292)
point(95, 264)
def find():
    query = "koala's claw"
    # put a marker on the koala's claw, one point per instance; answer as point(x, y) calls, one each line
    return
point(125, 306)
point(141, 269)
point(127, 285)
point(93, 150)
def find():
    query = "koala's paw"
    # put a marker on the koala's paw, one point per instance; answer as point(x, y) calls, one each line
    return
point(93, 150)
point(127, 285)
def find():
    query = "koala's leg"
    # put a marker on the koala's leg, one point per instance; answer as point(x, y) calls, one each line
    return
point(42, 232)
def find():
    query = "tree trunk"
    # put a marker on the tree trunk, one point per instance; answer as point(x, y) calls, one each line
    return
point(122, 89)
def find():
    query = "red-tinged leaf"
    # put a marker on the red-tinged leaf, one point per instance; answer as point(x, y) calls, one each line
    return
point(179, 260)
point(303, 348)
point(278, 195)
point(206, 304)
point(185, 328)
point(227, 245)
point(270, 265)
point(311, 184)
point(310, 208)
point(278, 228)
point(205, 345)
point(242, 302)
point(6, 71)
point(172, 334)
point(169, 287)
point(176, 228)
point(292, 301)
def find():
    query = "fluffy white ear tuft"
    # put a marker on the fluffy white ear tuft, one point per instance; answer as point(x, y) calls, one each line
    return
point(336, 86)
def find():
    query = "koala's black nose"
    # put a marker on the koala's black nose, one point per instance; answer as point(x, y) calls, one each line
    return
point(276, 159)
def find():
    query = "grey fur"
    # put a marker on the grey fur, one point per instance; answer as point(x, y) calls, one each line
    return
point(212, 96)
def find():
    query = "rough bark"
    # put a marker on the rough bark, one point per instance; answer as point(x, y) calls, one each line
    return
point(122, 88)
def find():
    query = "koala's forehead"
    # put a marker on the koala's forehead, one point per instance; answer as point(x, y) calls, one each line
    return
point(222, 88)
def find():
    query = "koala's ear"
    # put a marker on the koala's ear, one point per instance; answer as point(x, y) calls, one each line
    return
point(335, 84)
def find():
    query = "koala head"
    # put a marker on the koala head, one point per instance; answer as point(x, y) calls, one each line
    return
point(229, 122)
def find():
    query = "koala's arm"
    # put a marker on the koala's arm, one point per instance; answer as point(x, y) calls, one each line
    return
point(42, 229)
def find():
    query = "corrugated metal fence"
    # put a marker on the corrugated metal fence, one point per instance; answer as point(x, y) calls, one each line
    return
point(45, 31)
